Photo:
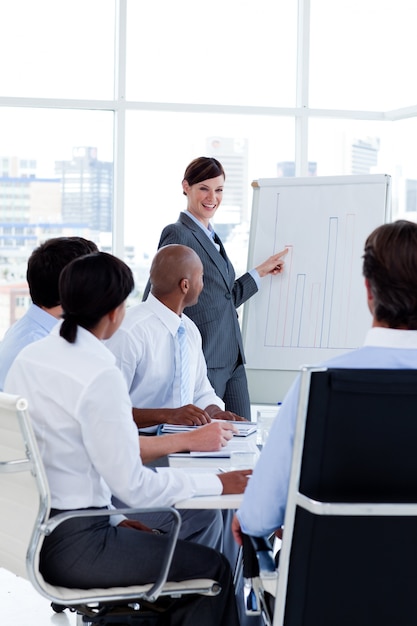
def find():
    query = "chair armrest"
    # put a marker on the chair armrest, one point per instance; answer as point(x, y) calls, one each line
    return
point(260, 575)
point(258, 556)
point(264, 554)
point(47, 527)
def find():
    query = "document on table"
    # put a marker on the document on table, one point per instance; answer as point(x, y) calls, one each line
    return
point(234, 445)
point(244, 428)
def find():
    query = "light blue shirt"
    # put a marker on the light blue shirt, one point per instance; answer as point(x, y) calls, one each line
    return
point(35, 324)
point(263, 507)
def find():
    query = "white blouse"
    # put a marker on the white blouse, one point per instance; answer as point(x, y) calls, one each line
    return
point(82, 418)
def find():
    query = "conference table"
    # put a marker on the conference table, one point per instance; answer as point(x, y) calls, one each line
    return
point(213, 464)
point(227, 503)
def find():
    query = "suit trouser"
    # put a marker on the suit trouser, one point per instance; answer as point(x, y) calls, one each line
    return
point(90, 552)
point(204, 526)
point(231, 385)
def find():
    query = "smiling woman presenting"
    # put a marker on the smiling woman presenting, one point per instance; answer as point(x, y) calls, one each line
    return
point(215, 313)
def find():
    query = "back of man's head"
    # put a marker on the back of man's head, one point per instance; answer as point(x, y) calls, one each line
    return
point(45, 265)
point(390, 267)
point(170, 265)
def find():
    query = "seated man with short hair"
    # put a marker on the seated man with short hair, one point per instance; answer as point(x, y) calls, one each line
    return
point(43, 270)
point(390, 271)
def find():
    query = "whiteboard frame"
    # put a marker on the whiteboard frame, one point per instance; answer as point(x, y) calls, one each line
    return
point(268, 386)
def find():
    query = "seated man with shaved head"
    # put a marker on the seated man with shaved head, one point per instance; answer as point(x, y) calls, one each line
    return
point(146, 350)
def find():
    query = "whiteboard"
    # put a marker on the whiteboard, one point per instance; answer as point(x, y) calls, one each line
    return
point(317, 308)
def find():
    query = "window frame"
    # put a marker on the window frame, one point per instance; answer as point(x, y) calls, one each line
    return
point(119, 106)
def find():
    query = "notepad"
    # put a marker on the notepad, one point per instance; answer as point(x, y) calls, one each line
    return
point(231, 446)
point(244, 428)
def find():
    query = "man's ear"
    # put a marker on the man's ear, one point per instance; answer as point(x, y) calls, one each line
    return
point(368, 290)
point(112, 315)
point(184, 285)
point(369, 296)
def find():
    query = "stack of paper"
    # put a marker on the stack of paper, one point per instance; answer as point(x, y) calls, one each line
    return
point(244, 428)
point(234, 445)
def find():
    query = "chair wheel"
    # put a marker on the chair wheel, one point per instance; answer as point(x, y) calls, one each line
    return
point(57, 608)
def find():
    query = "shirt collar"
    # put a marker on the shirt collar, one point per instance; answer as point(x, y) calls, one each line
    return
point(42, 317)
point(391, 338)
point(170, 319)
point(87, 339)
point(208, 231)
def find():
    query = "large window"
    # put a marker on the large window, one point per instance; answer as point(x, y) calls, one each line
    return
point(104, 102)
point(362, 54)
point(53, 49)
point(234, 52)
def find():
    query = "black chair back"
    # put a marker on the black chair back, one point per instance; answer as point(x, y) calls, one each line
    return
point(349, 554)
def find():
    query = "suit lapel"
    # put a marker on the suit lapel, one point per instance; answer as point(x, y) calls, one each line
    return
point(219, 258)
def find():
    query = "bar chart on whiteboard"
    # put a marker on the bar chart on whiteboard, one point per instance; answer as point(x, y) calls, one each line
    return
point(317, 307)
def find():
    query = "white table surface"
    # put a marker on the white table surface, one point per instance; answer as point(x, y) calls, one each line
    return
point(230, 501)
point(210, 464)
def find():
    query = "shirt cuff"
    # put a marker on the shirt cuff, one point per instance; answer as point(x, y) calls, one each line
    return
point(115, 519)
point(206, 484)
point(201, 484)
point(206, 401)
point(255, 275)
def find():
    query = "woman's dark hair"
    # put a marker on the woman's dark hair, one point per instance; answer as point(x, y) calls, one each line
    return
point(203, 168)
point(90, 287)
point(390, 266)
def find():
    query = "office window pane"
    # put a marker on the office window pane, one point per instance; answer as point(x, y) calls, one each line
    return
point(160, 146)
point(56, 49)
point(56, 179)
point(362, 54)
point(399, 157)
point(411, 196)
point(233, 52)
point(341, 147)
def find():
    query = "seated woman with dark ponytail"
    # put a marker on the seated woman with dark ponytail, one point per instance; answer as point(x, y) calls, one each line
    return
point(82, 418)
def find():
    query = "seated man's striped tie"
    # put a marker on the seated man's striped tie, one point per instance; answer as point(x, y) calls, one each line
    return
point(186, 395)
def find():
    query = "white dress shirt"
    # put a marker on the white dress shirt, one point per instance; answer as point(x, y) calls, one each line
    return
point(146, 350)
point(82, 418)
point(264, 501)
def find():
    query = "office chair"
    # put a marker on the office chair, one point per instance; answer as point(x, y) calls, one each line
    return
point(24, 522)
point(349, 550)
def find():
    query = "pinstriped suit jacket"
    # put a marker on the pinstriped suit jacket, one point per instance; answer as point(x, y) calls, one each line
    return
point(215, 313)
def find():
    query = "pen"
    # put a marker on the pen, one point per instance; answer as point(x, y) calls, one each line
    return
point(221, 470)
